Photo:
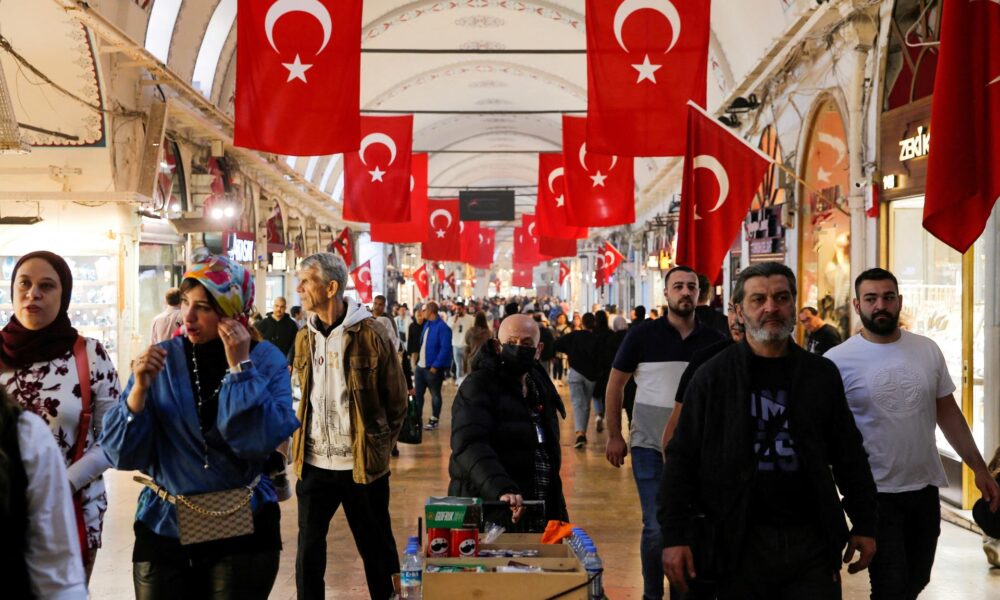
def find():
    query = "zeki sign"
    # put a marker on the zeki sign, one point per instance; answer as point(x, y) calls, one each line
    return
point(916, 146)
point(240, 246)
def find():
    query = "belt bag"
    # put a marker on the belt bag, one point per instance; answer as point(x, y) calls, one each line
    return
point(211, 516)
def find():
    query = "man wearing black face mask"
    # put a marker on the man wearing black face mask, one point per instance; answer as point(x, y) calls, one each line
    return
point(505, 425)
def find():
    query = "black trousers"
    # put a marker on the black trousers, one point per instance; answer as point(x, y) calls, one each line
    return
point(909, 524)
point(320, 492)
point(230, 577)
point(783, 563)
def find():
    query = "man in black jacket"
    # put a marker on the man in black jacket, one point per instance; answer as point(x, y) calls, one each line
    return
point(764, 441)
point(279, 328)
point(505, 425)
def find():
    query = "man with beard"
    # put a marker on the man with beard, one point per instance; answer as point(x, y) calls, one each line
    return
point(752, 472)
point(898, 388)
point(655, 353)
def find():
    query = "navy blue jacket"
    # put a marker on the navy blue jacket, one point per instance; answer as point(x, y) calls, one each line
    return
point(438, 349)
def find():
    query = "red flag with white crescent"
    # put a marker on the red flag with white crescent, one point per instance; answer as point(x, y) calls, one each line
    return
point(523, 276)
point(525, 252)
point(556, 248)
point(450, 280)
point(343, 246)
point(362, 277)
point(420, 278)
point(600, 274)
point(413, 231)
point(469, 232)
point(564, 272)
point(600, 188)
point(298, 76)
point(612, 258)
point(550, 207)
point(487, 241)
point(645, 60)
point(721, 175)
point(443, 240)
point(377, 176)
point(439, 274)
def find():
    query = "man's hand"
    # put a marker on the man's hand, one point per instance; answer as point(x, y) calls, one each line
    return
point(678, 566)
point(516, 503)
point(988, 488)
point(616, 450)
point(864, 545)
point(433, 370)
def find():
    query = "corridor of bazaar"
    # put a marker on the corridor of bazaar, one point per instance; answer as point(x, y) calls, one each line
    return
point(197, 172)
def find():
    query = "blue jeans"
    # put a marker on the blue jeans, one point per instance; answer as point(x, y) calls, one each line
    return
point(459, 353)
point(425, 380)
point(647, 465)
point(580, 391)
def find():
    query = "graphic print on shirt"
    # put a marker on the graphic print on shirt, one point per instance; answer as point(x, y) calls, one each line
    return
point(897, 387)
point(767, 408)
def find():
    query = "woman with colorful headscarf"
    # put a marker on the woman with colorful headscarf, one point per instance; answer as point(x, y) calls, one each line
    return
point(201, 414)
point(41, 359)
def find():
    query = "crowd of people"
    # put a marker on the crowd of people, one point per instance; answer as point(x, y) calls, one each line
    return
point(747, 449)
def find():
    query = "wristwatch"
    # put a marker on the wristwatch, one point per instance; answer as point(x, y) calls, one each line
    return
point(243, 366)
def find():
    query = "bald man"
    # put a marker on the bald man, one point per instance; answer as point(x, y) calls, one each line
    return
point(505, 425)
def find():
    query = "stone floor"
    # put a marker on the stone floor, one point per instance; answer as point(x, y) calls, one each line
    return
point(600, 498)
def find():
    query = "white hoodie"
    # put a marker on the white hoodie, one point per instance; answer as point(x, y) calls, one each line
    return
point(328, 443)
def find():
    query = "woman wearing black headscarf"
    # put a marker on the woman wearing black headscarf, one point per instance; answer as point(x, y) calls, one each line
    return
point(41, 358)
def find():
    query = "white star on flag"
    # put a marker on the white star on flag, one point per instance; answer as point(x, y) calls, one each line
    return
point(376, 174)
point(598, 179)
point(440, 233)
point(646, 70)
point(560, 201)
point(296, 70)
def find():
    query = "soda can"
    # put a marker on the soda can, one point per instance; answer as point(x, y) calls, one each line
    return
point(464, 543)
point(438, 541)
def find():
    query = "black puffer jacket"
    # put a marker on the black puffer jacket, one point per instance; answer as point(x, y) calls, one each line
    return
point(493, 439)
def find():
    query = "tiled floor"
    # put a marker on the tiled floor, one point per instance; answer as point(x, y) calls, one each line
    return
point(601, 498)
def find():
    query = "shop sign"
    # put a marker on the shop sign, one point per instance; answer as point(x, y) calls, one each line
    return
point(916, 146)
point(903, 149)
point(240, 246)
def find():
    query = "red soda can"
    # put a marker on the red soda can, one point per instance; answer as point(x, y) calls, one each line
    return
point(464, 543)
point(438, 541)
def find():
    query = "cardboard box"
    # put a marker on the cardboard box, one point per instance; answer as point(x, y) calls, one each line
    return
point(453, 512)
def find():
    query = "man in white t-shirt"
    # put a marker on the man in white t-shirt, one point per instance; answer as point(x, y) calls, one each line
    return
point(460, 323)
point(898, 388)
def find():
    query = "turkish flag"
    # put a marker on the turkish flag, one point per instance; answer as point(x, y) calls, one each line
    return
point(439, 275)
point(420, 278)
point(362, 277)
point(721, 175)
point(470, 241)
point(563, 272)
point(298, 76)
point(413, 231)
point(343, 246)
point(523, 276)
point(377, 176)
point(484, 258)
point(526, 250)
point(550, 207)
point(600, 189)
point(600, 275)
point(963, 169)
point(450, 280)
point(642, 68)
point(612, 258)
point(556, 248)
point(443, 240)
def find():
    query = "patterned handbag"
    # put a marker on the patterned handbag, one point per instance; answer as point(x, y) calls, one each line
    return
point(211, 516)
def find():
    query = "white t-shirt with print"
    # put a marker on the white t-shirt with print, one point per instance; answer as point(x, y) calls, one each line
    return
point(892, 390)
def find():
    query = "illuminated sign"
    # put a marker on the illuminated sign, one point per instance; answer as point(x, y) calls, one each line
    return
point(241, 246)
point(916, 146)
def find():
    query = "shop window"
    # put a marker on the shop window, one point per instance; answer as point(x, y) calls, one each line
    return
point(160, 268)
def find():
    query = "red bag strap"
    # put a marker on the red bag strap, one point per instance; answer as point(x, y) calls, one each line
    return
point(87, 410)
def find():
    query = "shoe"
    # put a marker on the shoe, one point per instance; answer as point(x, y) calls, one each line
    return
point(395, 450)
point(431, 425)
point(600, 424)
point(581, 441)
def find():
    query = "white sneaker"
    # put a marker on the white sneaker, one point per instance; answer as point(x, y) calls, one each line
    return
point(600, 424)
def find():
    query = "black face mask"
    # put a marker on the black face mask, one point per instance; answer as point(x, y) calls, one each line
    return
point(518, 359)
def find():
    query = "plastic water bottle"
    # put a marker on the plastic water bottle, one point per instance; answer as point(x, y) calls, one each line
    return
point(595, 569)
point(411, 573)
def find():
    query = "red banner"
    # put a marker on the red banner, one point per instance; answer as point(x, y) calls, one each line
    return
point(362, 277)
point(525, 248)
point(443, 242)
point(377, 177)
point(343, 246)
point(555, 248)
point(642, 68)
point(487, 241)
point(470, 241)
point(298, 77)
point(550, 207)
point(963, 169)
point(564, 272)
point(420, 278)
point(600, 189)
point(721, 175)
point(450, 280)
point(523, 276)
point(413, 231)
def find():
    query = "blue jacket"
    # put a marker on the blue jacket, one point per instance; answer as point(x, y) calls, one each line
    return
point(165, 440)
point(438, 349)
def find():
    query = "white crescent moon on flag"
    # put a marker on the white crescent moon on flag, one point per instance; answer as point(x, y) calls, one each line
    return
point(706, 161)
point(312, 7)
point(361, 274)
point(609, 257)
point(664, 7)
point(583, 162)
point(838, 144)
point(600, 261)
point(531, 229)
point(377, 138)
point(441, 212)
point(556, 174)
point(481, 238)
point(413, 183)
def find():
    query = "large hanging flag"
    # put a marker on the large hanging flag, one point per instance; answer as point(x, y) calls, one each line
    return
point(443, 241)
point(487, 241)
point(470, 240)
point(721, 175)
point(612, 258)
point(523, 276)
point(600, 275)
point(556, 248)
point(420, 278)
point(564, 272)
point(342, 244)
point(413, 231)
point(645, 60)
point(550, 207)
point(526, 250)
point(450, 280)
point(963, 169)
point(600, 189)
point(362, 277)
point(298, 76)
point(377, 177)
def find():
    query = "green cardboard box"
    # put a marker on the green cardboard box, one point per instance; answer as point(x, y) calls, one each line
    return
point(453, 512)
